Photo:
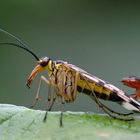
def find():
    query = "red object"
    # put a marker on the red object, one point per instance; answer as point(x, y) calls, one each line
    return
point(133, 82)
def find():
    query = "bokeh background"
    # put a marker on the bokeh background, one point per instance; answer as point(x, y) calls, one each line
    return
point(100, 36)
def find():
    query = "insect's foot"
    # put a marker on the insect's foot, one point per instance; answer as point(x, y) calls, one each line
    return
point(31, 107)
point(61, 119)
point(45, 117)
point(61, 124)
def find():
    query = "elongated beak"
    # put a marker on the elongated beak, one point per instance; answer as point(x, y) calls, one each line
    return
point(33, 74)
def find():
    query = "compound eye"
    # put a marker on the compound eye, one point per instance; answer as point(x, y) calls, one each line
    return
point(44, 61)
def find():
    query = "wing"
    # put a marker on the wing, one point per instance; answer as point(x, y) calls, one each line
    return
point(115, 93)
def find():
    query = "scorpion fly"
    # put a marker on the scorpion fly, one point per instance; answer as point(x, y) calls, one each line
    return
point(67, 80)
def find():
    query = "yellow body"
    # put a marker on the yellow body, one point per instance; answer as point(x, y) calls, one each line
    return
point(91, 87)
point(68, 79)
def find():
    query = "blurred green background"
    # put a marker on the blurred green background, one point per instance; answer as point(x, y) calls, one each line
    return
point(102, 37)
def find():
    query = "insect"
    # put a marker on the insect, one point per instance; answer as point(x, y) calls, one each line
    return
point(133, 82)
point(67, 80)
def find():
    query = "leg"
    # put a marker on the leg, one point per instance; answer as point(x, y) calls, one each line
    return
point(52, 103)
point(48, 82)
point(50, 100)
point(60, 86)
point(110, 112)
point(61, 115)
point(75, 85)
point(61, 119)
point(62, 91)
point(106, 109)
point(49, 107)
point(37, 97)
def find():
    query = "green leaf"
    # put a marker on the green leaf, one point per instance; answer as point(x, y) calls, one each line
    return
point(20, 123)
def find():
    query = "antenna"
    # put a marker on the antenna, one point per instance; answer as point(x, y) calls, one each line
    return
point(22, 46)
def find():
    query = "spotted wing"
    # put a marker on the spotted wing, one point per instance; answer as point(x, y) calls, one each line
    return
point(127, 102)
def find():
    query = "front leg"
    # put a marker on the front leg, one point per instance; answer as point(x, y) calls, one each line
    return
point(50, 99)
point(37, 97)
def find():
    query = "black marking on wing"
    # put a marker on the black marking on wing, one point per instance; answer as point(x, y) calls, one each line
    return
point(115, 94)
point(114, 97)
point(134, 104)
